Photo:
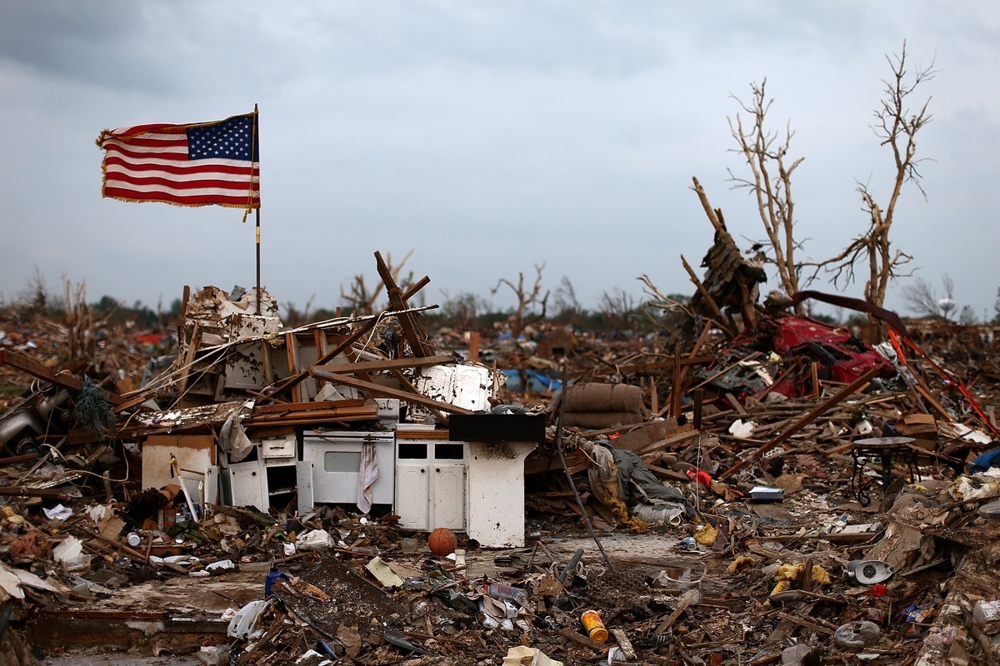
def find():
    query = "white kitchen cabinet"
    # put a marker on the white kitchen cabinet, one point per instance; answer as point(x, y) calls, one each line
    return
point(430, 484)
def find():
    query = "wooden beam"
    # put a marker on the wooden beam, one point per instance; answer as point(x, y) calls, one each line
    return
point(417, 286)
point(709, 301)
point(387, 364)
point(802, 622)
point(63, 380)
point(47, 493)
point(804, 421)
point(676, 385)
point(378, 389)
point(293, 365)
point(189, 354)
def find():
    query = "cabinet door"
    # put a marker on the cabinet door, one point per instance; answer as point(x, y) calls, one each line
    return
point(447, 496)
point(412, 496)
point(304, 486)
point(247, 485)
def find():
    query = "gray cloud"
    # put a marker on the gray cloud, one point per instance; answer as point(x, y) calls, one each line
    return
point(486, 136)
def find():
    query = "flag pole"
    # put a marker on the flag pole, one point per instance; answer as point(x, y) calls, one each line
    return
point(258, 260)
point(253, 142)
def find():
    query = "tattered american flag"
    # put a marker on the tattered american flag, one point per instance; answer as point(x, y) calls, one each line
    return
point(187, 165)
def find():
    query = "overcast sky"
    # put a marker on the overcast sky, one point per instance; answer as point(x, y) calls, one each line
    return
point(487, 137)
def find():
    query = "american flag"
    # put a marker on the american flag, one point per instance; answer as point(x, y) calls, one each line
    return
point(187, 165)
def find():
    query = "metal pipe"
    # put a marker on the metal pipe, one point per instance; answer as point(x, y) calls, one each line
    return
point(569, 477)
point(16, 422)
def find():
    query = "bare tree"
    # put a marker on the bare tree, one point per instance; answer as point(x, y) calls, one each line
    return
point(362, 300)
point(462, 310)
point(35, 296)
point(618, 309)
point(293, 317)
point(924, 301)
point(897, 127)
point(566, 304)
point(525, 299)
point(765, 152)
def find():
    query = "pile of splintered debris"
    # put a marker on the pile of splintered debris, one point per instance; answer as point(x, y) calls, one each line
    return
point(781, 492)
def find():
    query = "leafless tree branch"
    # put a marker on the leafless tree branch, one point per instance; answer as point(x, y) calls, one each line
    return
point(896, 126)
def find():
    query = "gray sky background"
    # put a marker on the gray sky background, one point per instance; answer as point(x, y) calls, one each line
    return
point(485, 136)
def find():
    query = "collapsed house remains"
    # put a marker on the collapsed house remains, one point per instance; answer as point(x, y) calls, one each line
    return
point(761, 488)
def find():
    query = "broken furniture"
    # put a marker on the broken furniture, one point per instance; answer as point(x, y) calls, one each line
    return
point(889, 450)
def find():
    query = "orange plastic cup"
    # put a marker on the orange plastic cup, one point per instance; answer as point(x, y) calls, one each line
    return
point(594, 626)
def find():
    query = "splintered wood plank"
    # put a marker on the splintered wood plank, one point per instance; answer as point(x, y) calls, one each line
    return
point(624, 643)
point(473, 346)
point(306, 406)
point(319, 339)
point(397, 302)
point(293, 366)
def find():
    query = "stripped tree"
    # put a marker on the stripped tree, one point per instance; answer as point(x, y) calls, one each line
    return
point(770, 182)
point(525, 299)
point(897, 127)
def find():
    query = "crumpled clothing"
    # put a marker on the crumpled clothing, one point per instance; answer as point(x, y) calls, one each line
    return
point(637, 483)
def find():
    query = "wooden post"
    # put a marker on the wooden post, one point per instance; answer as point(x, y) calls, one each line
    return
point(473, 346)
point(699, 397)
point(184, 305)
point(675, 390)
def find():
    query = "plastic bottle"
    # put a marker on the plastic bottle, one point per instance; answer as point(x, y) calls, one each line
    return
point(501, 591)
point(594, 626)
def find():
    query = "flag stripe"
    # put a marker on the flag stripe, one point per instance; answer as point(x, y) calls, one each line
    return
point(190, 200)
point(115, 163)
point(172, 180)
point(188, 192)
point(190, 165)
point(178, 160)
point(136, 148)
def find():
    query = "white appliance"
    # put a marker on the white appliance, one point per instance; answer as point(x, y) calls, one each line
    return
point(330, 468)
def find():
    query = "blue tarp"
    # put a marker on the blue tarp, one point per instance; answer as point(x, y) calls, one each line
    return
point(537, 382)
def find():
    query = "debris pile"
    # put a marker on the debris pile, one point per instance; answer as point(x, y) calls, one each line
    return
point(754, 487)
